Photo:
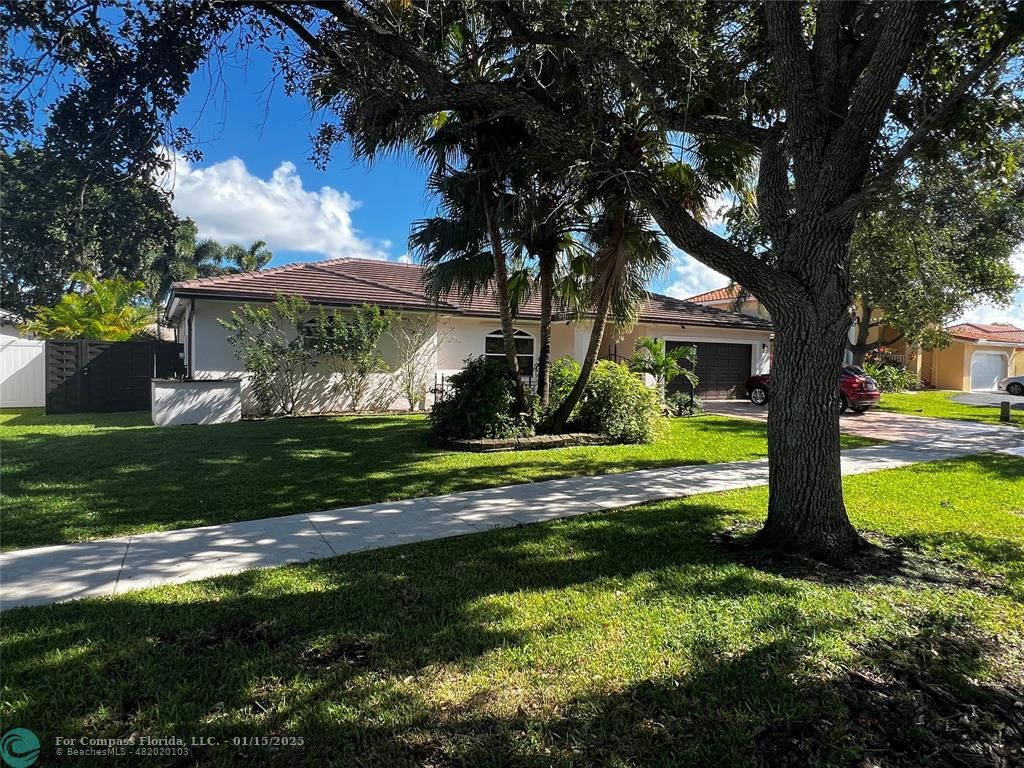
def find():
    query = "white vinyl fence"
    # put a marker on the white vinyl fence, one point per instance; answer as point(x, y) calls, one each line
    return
point(22, 373)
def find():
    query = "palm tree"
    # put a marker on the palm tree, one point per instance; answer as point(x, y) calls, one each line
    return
point(653, 358)
point(628, 253)
point(251, 259)
point(536, 229)
point(184, 258)
point(476, 199)
point(471, 142)
point(545, 214)
point(105, 310)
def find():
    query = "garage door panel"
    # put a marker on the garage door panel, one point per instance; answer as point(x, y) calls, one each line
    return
point(987, 368)
point(723, 369)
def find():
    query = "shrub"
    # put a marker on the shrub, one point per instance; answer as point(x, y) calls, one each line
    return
point(269, 342)
point(653, 357)
point(892, 378)
point(348, 346)
point(680, 404)
point(417, 342)
point(564, 372)
point(616, 401)
point(483, 404)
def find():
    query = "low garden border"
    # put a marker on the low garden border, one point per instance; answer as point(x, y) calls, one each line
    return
point(532, 443)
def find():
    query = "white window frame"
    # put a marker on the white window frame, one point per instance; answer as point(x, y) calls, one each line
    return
point(520, 356)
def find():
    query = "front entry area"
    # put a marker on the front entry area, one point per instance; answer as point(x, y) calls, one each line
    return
point(723, 369)
point(987, 368)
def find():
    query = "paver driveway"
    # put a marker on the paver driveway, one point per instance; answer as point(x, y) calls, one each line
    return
point(879, 425)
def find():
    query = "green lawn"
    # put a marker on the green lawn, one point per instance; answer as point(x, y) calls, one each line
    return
point(102, 475)
point(938, 404)
point(633, 638)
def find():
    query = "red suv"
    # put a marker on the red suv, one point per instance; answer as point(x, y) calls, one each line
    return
point(858, 391)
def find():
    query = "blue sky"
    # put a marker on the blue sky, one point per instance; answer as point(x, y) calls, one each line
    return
point(255, 181)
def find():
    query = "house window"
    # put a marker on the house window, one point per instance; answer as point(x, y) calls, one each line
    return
point(309, 329)
point(494, 348)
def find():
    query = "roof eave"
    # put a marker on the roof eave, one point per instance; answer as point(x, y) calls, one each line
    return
point(712, 324)
point(262, 298)
point(989, 342)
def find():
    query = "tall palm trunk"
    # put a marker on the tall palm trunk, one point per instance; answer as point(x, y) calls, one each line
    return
point(546, 267)
point(501, 288)
point(596, 337)
point(611, 261)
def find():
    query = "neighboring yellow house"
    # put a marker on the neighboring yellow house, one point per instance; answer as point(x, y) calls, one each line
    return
point(977, 358)
point(726, 299)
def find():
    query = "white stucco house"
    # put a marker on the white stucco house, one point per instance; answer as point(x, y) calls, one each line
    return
point(730, 346)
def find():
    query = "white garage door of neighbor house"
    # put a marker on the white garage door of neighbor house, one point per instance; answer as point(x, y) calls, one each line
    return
point(987, 368)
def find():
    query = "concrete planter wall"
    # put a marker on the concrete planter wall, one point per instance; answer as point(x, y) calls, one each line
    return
point(213, 401)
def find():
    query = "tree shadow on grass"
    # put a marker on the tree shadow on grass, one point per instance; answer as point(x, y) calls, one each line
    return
point(905, 700)
point(354, 653)
point(914, 561)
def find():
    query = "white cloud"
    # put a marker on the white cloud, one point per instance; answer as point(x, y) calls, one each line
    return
point(689, 277)
point(231, 205)
point(990, 313)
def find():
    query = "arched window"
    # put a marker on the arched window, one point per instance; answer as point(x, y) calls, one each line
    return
point(494, 348)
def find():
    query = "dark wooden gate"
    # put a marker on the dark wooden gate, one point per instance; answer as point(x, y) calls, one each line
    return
point(95, 376)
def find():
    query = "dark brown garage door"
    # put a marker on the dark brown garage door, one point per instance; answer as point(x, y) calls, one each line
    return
point(723, 370)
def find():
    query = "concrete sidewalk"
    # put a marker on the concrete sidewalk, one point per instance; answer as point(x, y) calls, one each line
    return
point(113, 566)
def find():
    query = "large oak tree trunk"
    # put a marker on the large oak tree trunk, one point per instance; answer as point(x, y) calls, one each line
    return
point(806, 513)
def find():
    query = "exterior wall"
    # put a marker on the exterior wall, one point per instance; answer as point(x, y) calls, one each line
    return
point(759, 341)
point(950, 368)
point(1017, 362)
point(211, 356)
point(463, 338)
point(458, 338)
point(750, 307)
point(947, 368)
point(620, 345)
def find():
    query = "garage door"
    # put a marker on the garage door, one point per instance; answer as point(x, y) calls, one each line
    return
point(987, 368)
point(723, 369)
